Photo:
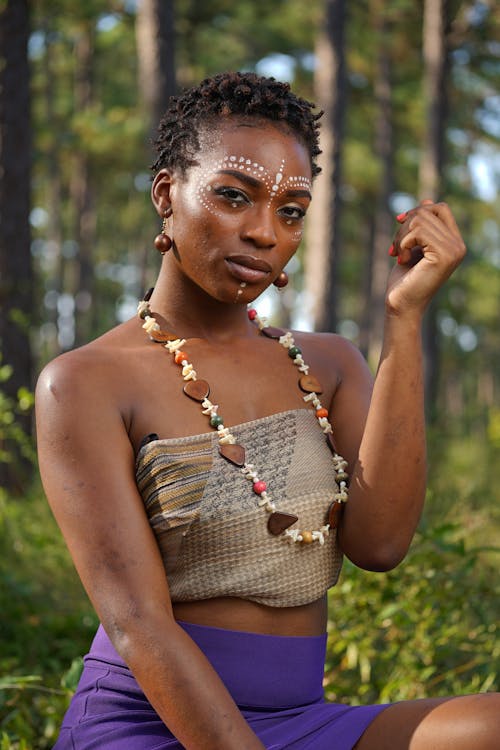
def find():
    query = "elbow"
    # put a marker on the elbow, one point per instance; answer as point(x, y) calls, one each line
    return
point(379, 560)
point(133, 644)
point(123, 636)
point(376, 549)
point(134, 633)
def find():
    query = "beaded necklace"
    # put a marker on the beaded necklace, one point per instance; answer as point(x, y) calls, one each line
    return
point(279, 522)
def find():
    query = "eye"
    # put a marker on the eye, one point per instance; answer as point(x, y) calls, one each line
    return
point(233, 195)
point(293, 213)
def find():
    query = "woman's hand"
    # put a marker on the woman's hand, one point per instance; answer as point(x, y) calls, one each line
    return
point(428, 247)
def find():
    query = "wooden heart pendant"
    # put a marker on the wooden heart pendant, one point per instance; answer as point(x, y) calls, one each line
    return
point(278, 522)
point(233, 453)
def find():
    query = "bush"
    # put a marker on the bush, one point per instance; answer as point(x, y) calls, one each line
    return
point(13, 439)
point(47, 623)
point(429, 628)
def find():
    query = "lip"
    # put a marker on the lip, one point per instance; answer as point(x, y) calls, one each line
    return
point(248, 268)
point(249, 261)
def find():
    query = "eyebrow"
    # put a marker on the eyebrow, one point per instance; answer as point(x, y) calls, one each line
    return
point(299, 194)
point(293, 193)
point(242, 176)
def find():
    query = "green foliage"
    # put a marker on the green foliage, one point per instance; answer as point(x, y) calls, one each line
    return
point(47, 624)
point(494, 428)
point(6, 743)
point(39, 621)
point(11, 432)
point(220, 35)
point(428, 628)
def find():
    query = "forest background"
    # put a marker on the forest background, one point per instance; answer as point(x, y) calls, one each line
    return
point(412, 109)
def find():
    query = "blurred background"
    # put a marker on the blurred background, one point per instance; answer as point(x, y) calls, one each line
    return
point(411, 96)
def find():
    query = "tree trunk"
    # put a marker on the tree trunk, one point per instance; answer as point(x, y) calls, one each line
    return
point(155, 40)
point(155, 35)
point(322, 260)
point(81, 286)
point(55, 230)
point(16, 281)
point(383, 221)
point(435, 56)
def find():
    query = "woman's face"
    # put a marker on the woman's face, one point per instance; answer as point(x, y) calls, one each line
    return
point(238, 216)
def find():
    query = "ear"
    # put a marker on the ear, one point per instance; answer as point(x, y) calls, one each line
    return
point(160, 191)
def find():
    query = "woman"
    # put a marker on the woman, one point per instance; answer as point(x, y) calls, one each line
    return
point(185, 459)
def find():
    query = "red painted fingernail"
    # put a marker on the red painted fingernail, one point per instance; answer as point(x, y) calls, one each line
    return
point(402, 217)
point(400, 261)
point(391, 250)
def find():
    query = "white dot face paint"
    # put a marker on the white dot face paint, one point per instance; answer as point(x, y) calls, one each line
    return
point(277, 179)
point(275, 183)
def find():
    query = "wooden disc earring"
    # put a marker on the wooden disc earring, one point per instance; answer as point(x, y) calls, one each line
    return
point(162, 241)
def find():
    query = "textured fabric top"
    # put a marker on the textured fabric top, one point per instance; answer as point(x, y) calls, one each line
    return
point(212, 534)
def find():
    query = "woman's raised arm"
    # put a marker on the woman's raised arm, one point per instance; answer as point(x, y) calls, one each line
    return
point(388, 473)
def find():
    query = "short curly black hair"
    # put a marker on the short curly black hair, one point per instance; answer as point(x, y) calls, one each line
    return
point(231, 94)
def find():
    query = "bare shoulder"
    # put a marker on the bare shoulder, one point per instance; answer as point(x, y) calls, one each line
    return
point(333, 353)
point(89, 368)
point(86, 384)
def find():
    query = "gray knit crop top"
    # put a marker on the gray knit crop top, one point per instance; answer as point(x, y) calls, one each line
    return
point(212, 534)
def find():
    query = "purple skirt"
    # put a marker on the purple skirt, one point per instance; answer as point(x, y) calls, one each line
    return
point(276, 682)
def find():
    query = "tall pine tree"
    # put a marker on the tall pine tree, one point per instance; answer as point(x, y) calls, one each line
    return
point(16, 287)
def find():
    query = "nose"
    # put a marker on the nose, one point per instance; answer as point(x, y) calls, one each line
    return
point(259, 227)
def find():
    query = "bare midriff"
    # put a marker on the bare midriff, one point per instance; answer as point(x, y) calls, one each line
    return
point(241, 614)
